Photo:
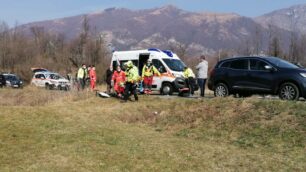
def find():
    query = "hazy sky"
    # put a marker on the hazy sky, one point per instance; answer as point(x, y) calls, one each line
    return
point(24, 11)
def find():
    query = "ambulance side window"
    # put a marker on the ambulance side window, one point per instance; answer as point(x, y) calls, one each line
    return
point(135, 62)
point(122, 64)
point(159, 66)
point(115, 65)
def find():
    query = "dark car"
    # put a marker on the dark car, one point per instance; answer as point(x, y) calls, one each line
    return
point(2, 81)
point(258, 75)
point(13, 81)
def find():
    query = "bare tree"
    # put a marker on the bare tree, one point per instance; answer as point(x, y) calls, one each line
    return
point(258, 40)
point(275, 48)
point(180, 49)
point(78, 49)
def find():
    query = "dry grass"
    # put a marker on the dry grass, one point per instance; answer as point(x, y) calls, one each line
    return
point(76, 131)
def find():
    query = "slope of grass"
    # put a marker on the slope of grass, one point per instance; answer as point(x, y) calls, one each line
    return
point(80, 132)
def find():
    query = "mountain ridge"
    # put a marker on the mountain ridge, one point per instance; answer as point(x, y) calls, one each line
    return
point(200, 32)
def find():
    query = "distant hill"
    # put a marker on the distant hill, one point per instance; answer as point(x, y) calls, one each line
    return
point(291, 19)
point(164, 27)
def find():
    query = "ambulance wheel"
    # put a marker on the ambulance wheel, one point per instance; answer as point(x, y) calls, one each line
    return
point(167, 89)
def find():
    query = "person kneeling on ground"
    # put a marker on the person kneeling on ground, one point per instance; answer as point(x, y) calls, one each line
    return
point(189, 79)
point(118, 79)
point(132, 78)
point(148, 72)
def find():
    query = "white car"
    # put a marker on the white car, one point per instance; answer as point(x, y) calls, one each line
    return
point(50, 81)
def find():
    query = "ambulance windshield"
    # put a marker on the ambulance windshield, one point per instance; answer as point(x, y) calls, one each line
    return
point(175, 64)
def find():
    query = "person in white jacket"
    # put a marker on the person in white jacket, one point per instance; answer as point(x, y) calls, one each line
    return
point(202, 69)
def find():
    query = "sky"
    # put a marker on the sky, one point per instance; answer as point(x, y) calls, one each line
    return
point(24, 11)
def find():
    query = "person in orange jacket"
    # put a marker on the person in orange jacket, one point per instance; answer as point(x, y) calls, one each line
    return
point(93, 77)
point(119, 79)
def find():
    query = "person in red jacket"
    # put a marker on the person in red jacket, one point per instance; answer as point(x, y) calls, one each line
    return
point(93, 77)
point(118, 79)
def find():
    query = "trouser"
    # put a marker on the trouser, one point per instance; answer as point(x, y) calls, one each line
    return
point(130, 88)
point(109, 87)
point(82, 83)
point(202, 83)
point(148, 81)
point(92, 84)
point(190, 82)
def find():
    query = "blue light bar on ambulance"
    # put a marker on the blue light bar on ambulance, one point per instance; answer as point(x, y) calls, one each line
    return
point(168, 52)
point(154, 49)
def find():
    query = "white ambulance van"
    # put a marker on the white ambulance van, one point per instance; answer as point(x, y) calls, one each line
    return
point(169, 65)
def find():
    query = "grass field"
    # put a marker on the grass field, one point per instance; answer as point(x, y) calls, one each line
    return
point(43, 130)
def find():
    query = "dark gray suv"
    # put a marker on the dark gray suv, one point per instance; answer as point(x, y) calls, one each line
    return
point(258, 75)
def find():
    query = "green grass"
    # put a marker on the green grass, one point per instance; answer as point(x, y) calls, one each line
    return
point(81, 132)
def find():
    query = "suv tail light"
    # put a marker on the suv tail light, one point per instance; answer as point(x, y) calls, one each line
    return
point(212, 72)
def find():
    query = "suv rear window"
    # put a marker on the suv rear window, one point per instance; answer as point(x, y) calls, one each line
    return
point(226, 64)
point(240, 64)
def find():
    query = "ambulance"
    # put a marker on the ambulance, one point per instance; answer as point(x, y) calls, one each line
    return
point(168, 64)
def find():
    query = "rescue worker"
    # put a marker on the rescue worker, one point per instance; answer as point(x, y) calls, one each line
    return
point(118, 79)
point(93, 77)
point(132, 78)
point(81, 76)
point(108, 79)
point(189, 79)
point(148, 72)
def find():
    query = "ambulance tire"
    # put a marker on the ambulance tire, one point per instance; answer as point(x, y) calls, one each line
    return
point(180, 83)
point(167, 89)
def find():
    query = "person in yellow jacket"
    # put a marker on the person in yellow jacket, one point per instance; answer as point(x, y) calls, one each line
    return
point(189, 79)
point(132, 78)
point(81, 76)
point(148, 72)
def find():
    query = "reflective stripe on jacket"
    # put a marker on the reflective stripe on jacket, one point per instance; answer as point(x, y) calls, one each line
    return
point(132, 74)
point(188, 73)
point(149, 71)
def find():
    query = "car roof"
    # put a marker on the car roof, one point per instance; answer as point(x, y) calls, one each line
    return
point(9, 74)
point(46, 72)
point(38, 69)
point(246, 57)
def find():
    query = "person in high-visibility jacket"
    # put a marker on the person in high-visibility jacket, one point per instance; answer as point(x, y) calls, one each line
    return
point(118, 79)
point(81, 76)
point(132, 78)
point(148, 71)
point(189, 79)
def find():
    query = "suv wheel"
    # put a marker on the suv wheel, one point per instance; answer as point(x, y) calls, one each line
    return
point(289, 91)
point(221, 90)
point(167, 89)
